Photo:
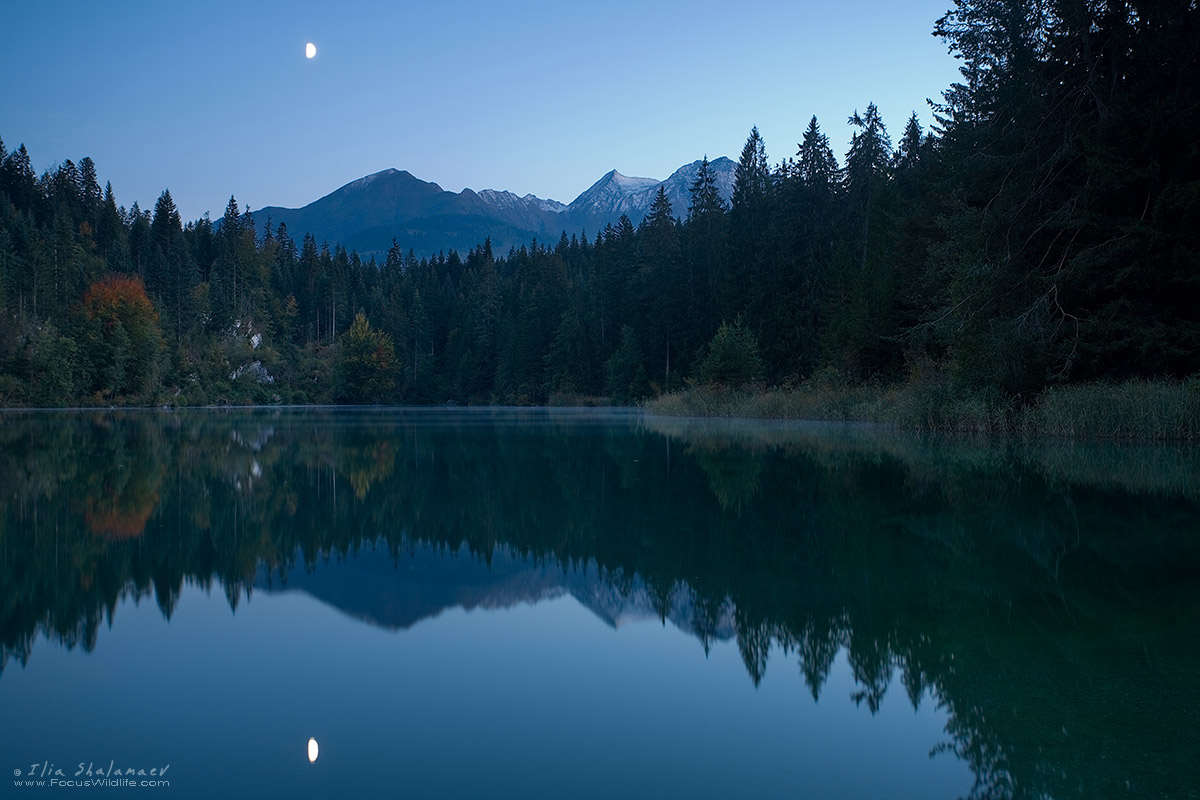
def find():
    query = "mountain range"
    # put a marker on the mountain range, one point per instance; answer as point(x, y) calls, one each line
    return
point(367, 214)
point(396, 592)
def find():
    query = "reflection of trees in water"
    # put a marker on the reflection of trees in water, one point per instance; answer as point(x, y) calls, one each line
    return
point(367, 465)
point(117, 501)
point(1013, 595)
point(733, 478)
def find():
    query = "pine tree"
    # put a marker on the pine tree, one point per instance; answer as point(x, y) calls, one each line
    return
point(172, 273)
point(752, 177)
point(626, 374)
point(705, 244)
point(570, 354)
point(226, 267)
point(732, 359)
point(165, 228)
point(816, 164)
point(51, 367)
point(662, 292)
point(112, 238)
point(308, 270)
point(89, 190)
point(869, 158)
point(1061, 136)
point(17, 180)
point(366, 364)
point(748, 268)
point(706, 198)
point(908, 154)
point(141, 243)
point(862, 336)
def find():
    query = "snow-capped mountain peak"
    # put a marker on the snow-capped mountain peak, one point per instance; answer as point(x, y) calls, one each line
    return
point(628, 183)
point(391, 206)
point(509, 200)
point(616, 194)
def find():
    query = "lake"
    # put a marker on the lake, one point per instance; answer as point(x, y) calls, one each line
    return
point(546, 603)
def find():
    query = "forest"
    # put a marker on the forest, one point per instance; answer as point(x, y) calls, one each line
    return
point(1042, 233)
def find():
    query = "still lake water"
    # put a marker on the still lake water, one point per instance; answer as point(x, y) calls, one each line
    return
point(564, 603)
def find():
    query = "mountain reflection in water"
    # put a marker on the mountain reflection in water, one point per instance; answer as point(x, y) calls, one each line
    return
point(1045, 593)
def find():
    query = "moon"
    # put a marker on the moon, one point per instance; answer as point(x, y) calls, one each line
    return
point(312, 742)
point(310, 50)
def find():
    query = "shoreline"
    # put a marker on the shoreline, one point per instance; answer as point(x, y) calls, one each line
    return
point(1134, 410)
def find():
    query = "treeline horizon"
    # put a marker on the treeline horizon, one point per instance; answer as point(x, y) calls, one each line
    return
point(1043, 232)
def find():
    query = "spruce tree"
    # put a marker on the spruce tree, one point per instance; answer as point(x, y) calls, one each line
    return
point(706, 198)
point(663, 292)
point(732, 359)
point(752, 177)
point(746, 273)
point(705, 244)
point(89, 190)
point(908, 153)
point(816, 164)
point(626, 374)
point(869, 158)
point(17, 180)
point(112, 238)
point(366, 364)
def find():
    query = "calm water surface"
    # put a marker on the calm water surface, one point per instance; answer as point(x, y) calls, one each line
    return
point(541, 603)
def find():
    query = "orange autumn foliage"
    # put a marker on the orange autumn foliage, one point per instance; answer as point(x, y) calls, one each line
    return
point(116, 523)
point(120, 338)
point(118, 297)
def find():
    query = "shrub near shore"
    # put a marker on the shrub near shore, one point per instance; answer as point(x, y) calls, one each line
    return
point(1134, 409)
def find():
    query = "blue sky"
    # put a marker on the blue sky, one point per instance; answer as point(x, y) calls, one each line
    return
point(218, 99)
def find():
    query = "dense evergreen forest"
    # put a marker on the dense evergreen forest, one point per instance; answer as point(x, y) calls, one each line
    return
point(1044, 232)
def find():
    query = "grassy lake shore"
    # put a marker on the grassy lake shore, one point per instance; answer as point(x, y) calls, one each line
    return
point(1143, 410)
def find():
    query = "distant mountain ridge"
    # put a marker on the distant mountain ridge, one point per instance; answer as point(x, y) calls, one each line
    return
point(397, 593)
point(368, 213)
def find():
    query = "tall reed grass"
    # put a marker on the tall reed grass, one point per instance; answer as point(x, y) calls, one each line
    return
point(1143, 410)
